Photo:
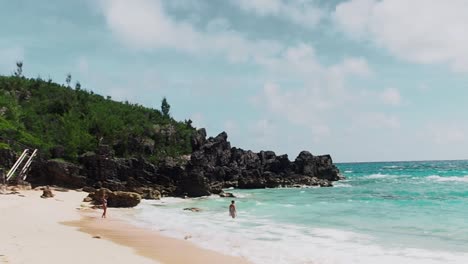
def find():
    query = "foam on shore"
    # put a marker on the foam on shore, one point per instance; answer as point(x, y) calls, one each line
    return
point(261, 240)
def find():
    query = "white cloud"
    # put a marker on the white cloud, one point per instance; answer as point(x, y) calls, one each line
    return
point(353, 66)
point(302, 13)
point(302, 100)
point(391, 96)
point(264, 132)
point(299, 108)
point(9, 56)
point(145, 25)
point(323, 96)
point(353, 16)
point(420, 31)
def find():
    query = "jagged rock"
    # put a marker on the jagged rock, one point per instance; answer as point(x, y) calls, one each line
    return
point(195, 184)
point(198, 139)
point(99, 167)
point(212, 166)
point(305, 164)
point(227, 194)
point(325, 168)
point(57, 172)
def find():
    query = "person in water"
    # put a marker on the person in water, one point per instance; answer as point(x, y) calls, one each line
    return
point(104, 205)
point(232, 210)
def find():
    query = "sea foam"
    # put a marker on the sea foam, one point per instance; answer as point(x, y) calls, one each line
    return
point(262, 240)
point(380, 176)
point(438, 178)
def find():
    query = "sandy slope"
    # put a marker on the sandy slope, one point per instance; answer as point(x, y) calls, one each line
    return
point(32, 230)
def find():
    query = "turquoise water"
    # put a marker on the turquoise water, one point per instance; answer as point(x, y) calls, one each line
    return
point(391, 212)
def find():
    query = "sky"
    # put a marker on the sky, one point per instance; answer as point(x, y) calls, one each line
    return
point(362, 80)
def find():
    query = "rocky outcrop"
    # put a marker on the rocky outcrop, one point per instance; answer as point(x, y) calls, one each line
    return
point(227, 195)
point(212, 166)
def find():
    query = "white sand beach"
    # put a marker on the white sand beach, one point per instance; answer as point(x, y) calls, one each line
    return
point(55, 230)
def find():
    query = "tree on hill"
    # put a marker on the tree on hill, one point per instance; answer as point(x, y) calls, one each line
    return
point(19, 69)
point(68, 80)
point(46, 115)
point(165, 107)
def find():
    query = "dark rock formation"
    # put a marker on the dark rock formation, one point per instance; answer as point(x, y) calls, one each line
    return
point(7, 159)
point(227, 194)
point(57, 172)
point(213, 166)
point(123, 199)
point(198, 139)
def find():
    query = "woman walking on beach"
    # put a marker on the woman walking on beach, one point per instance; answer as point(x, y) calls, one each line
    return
point(232, 210)
point(104, 205)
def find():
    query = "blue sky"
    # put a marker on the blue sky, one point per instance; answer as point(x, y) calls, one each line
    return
point(363, 80)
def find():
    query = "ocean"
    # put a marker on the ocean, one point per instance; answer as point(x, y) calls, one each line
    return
point(384, 212)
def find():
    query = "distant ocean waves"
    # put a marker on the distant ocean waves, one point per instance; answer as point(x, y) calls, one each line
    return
point(434, 178)
point(438, 178)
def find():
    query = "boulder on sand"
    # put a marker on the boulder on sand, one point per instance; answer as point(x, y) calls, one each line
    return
point(47, 193)
point(116, 199)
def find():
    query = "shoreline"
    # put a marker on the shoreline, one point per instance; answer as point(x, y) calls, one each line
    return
point(149, 243)
point(61, 229)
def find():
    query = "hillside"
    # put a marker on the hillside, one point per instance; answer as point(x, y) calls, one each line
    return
point(86, 140)
point(64, 123)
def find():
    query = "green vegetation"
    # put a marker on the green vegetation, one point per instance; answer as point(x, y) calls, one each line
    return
point(47, 115)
